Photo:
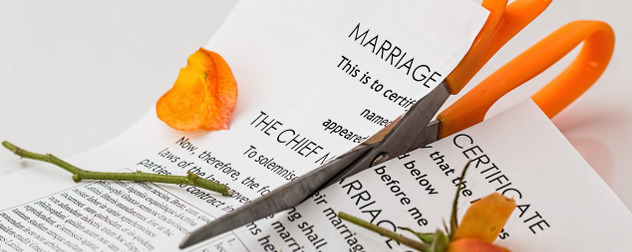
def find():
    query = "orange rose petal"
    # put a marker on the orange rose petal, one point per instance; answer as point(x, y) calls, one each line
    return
point(203, 97)
point(485, 218)
point(473, 245)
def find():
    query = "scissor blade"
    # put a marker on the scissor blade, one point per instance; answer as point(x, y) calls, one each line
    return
point(427, 136)
point(284, 197)
point(405, 136)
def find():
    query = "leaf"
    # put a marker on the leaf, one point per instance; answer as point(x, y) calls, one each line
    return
point(203, 97)
point(485, 218)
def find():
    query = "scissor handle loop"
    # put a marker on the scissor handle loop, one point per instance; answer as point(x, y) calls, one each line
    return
point(503, 23)
point(586, 68)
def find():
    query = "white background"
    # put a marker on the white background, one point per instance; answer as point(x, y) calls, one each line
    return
point(74, 74)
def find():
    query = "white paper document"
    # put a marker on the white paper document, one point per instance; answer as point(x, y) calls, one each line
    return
point(315, 80)
point(562, 204)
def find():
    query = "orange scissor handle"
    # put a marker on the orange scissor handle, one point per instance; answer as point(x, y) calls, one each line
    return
point(589, 64)
point(502, 24)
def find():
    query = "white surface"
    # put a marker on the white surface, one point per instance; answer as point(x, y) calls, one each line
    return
point(73, 74)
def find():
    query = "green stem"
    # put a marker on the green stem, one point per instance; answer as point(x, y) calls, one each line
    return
point(454, 221)
point(385, 232)
point(79, 174)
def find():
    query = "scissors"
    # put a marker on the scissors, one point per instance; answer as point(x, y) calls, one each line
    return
point(414, 130)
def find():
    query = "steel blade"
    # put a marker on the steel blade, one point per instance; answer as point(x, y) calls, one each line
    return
point(282, 198)
point(405, 134)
